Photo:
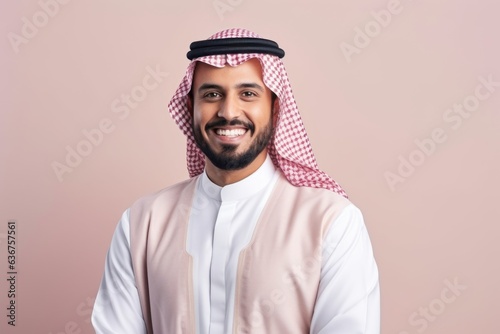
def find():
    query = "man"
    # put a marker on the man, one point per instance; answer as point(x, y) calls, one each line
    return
point(258, 240)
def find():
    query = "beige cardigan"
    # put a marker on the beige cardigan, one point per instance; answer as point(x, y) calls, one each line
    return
point(278, 272)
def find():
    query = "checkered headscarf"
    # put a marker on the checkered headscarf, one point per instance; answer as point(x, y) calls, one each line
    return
point(289, 150)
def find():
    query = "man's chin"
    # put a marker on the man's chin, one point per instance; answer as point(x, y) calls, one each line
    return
point(226, 148)
point(230, 158)
point(230, 163)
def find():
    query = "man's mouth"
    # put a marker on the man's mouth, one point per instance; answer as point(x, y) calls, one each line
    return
point(230, 132)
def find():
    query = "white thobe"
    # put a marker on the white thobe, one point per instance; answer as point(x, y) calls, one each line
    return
point(221, 224)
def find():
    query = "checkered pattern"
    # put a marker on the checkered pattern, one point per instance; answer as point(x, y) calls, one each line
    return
point(290, 149)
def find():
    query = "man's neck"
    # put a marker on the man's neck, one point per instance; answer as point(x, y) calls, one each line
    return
point(223, 177)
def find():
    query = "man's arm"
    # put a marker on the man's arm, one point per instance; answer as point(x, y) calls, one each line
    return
point(117, 307)
point(348, 299)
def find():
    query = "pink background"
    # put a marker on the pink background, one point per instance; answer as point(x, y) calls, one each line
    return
point(361, 113)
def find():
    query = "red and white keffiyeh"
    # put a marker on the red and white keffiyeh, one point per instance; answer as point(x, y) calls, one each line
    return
point(290, 149)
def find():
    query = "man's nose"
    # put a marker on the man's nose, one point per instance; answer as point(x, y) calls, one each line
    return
point(230, 107)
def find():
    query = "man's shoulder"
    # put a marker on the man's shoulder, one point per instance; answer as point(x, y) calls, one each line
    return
point(318, 207)
point(312, 194)
point(165, 195)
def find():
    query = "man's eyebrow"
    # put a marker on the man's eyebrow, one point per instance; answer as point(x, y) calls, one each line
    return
point(206, 86)
point(254, 85)
point(250, 85)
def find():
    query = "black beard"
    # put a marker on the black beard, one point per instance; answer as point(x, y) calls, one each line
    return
point(228, 159)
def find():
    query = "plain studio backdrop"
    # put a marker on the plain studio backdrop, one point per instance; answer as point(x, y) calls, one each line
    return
point(400, 100)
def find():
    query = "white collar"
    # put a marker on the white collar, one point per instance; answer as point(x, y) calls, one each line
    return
point(243, 189)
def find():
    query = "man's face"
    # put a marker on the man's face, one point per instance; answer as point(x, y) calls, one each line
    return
point(232, 113)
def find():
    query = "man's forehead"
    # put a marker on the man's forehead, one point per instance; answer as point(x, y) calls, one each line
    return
point(251, 61)
point(250, 68)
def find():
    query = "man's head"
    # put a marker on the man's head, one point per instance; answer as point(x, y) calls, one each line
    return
point(232, 114)
point(204, 118)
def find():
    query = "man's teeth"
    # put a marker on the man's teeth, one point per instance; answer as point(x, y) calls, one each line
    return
point(230, 133)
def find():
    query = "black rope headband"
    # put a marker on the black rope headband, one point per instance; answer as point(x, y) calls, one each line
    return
point(211, 47)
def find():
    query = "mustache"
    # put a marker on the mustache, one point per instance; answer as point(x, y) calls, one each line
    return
point(233, 122)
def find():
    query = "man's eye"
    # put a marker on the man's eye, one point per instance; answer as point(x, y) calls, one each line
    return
point(211, 95)
point(249, 94)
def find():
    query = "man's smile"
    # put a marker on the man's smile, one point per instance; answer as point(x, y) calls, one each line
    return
point(230, 132)
point(229, 135)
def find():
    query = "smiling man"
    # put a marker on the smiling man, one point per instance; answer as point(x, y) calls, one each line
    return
point(232, 119)
point(258, 239)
